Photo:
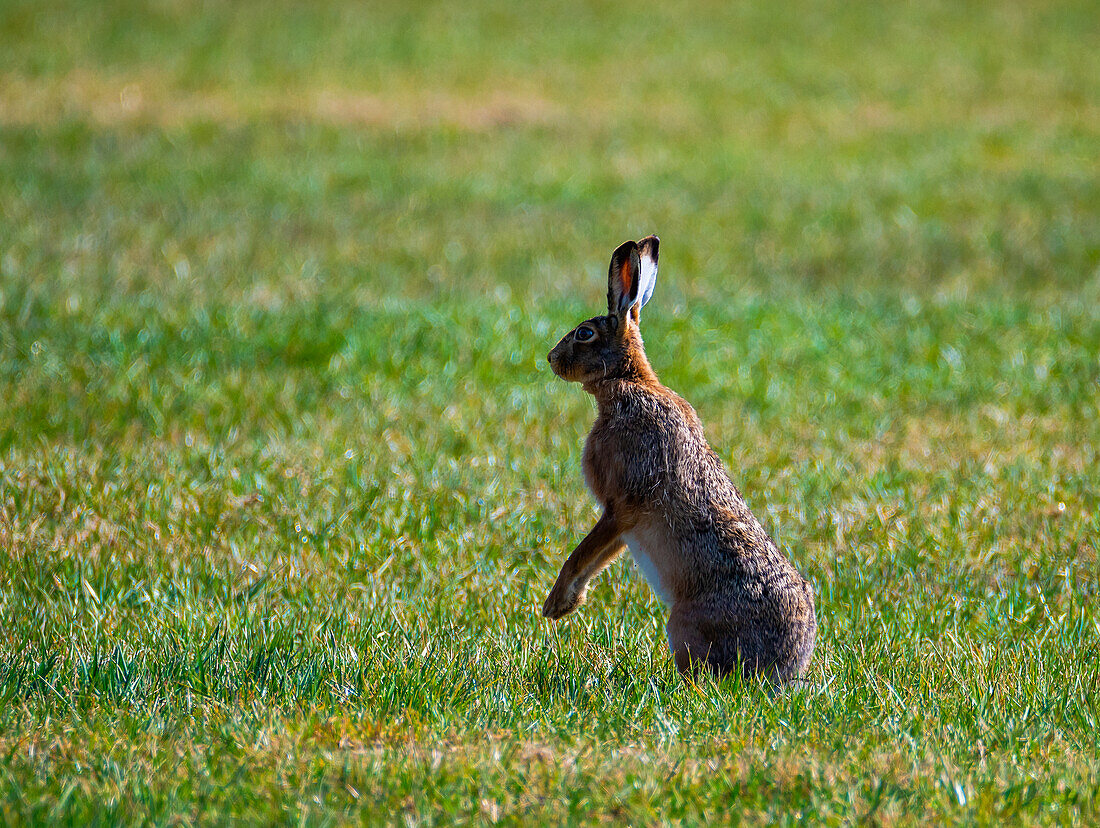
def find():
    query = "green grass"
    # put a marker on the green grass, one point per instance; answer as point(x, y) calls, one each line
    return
point(284, 477)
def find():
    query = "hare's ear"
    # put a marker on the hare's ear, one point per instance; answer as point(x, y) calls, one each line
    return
point(647, 249)
point(623, 279)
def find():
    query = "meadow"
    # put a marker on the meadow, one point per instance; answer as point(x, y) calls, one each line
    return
point(284, 475)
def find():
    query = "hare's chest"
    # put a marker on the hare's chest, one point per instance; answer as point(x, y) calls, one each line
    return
point(652, 559)
point(611, 459)
point(599, 467)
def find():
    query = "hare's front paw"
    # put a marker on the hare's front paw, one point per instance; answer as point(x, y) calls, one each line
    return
point(562, 600)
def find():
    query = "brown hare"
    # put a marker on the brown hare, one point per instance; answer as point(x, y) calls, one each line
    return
point(737, 602)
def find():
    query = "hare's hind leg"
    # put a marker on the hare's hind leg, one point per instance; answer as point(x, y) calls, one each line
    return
point(730, 637)
point(726, 642)
point(693, 645)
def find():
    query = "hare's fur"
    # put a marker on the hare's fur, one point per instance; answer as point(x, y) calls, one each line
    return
point(736, 601)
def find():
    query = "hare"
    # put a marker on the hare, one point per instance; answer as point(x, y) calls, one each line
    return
point(736, 602)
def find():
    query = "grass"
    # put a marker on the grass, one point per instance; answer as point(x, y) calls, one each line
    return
point(284, 477)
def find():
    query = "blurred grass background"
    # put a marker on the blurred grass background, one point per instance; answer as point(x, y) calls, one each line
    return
point(284, 478)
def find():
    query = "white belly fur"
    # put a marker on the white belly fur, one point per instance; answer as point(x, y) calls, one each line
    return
point(644, 562)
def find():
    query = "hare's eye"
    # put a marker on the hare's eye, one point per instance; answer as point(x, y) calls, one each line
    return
point(584, 334)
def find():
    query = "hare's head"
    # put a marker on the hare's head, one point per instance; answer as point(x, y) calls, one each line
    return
point(610, 347)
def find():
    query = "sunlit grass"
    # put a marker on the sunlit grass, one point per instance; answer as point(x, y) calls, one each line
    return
point(284, 477)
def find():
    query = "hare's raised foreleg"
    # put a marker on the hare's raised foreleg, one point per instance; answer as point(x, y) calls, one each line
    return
point(593, 554)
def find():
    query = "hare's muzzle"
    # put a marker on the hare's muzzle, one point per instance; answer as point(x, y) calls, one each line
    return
point(556, 358)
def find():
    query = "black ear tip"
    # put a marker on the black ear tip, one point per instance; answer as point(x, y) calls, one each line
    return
point(624, 250)
point(650, 244)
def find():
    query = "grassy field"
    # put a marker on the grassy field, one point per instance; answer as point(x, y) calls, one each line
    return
point(284, 476)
